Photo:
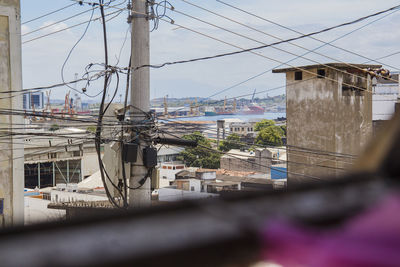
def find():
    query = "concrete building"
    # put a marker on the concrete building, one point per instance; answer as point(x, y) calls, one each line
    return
point(50, 160)
point(11, 148)
point(329, 111)
point(258, 161)
point(168, 153)
point(33, 100)
point(242, 128)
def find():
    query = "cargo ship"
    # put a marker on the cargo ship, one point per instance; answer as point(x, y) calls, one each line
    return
point(253, 109)
point(219, 112)
point(212, 111)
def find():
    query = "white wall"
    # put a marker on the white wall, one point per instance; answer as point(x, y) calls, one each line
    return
point(170, 194)
point(90, 164)
point(384, 100)
point(196, 184)
point(207, 175)
point(64, 196)
point(169, 173)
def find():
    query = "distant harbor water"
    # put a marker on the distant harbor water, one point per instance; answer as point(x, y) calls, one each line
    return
point(268, 116)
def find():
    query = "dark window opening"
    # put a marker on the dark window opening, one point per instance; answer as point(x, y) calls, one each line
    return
point(321, 73)
point(298, 75)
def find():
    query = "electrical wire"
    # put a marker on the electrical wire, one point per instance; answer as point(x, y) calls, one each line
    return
point(58, 22)
point(247, 161)
point(101, 113)
point(275, 37)
point(265, 46)
point(67, 28)
point(319, 47)
point(74, 46)
point(311, 37)
point(48, 14)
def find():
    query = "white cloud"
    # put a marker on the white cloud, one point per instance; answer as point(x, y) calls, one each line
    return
point(25, 29)
point(51, 27)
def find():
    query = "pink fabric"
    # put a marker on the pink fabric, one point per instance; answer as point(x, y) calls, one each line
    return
point(370, 239)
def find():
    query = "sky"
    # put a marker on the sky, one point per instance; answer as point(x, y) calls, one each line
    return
point(43, 58)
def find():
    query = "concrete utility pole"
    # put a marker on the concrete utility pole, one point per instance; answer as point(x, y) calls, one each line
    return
point(140, 97)
point(11, 150)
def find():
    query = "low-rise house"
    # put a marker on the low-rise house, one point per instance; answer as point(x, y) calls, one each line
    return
point(242, 128)
point(168, 153)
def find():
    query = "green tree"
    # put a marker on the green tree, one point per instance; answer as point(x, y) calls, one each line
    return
point(54, 127)
point(271, 135)
point(231, 142)
point(283, 127)
point(263, 124)
point(200, 156)
point(91, 129)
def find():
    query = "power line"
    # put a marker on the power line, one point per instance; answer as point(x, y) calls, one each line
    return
point(47, 14)
point(298, 32)
point(73, 47)
point(270, 35)
point(70, 27)
point(235, 156)
point(58, 22)
point(289, 147)
point(321, 46)
point(265, 46)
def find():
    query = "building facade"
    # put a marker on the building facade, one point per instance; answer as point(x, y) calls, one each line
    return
point(242, 128)
point(329, 118)
point(258, 161)
point(33, 100)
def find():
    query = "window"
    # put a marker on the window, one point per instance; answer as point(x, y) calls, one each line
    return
point(321, 73)
point(231, 129)
point(242, 128)
point(298, 75)
point(173, 168)
point(192, 188)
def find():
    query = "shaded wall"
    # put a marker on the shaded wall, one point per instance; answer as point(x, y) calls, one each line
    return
point(325, 115)
point(11, 150)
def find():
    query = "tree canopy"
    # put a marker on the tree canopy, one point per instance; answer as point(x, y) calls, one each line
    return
point(269, 133)
point(271, 136)
point(263, 124)
point(231, 142)
point(200, 156)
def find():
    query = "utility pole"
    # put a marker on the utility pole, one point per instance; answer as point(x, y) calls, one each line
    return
point(140, 98)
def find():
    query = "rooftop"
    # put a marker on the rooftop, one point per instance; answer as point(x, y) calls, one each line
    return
point(236, 153)
point(236, 179)
point(333, 65)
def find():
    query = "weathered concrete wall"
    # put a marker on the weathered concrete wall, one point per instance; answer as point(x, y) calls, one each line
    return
point(11, 152)
point(321, 116)
point(261, 162)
